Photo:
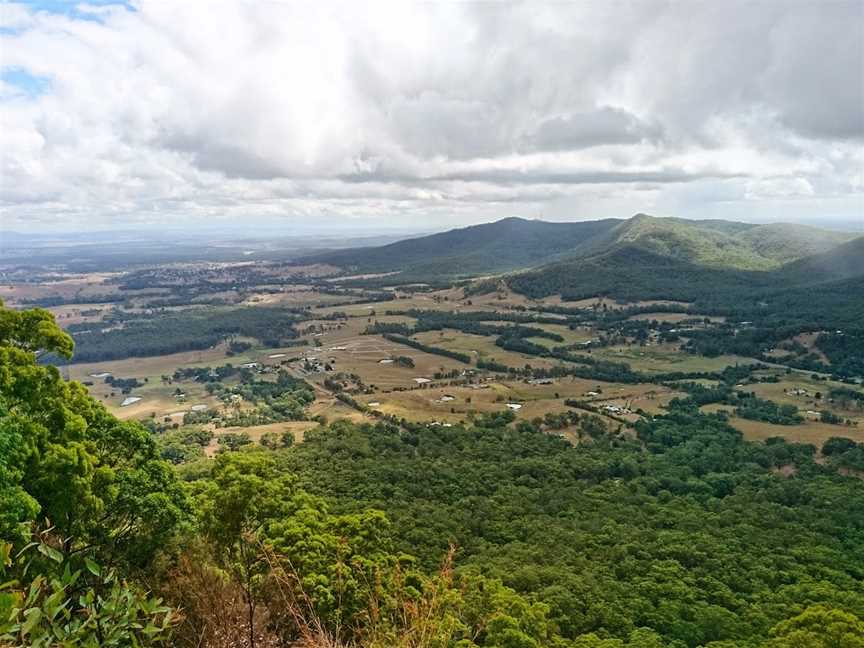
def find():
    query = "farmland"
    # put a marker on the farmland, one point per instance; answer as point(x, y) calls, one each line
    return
point(302, 322)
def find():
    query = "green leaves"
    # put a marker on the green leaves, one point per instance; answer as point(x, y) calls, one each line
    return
point(64, 457)
point(50, 552)
point(33, 330)
point(59, 607)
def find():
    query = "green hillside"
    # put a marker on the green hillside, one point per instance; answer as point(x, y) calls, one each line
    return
point(514, 243)
point(786, 295)
point(507, 244)
point(785, 242)
point(631, 272)
point(725, 243)
point(844, 261)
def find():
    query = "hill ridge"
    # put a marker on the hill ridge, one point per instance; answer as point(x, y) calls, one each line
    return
point(515, 243)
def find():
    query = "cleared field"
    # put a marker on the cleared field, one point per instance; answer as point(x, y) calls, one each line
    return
point(75, 313)
point(667, 357)
point(65, 285)
point(455, 403)
point(333, 410)
point(479, 347)
point(808, 432)
point(365, 309)
point(801, 392)
point(156, 398)
point(292, 298)
point(443, 300)
point(155, 366)
point(155, 395)
point(363, 355)
point(581, 334)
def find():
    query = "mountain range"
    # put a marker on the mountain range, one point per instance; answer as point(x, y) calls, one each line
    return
point(794, 273)
point(517, 244)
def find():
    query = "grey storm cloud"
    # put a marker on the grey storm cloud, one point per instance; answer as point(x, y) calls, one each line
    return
point(241, 108)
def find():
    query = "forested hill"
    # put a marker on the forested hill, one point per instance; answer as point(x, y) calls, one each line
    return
point(843, 262)
point(506, 244)
point(825, 289)
point(515, 243)
point(726, 244)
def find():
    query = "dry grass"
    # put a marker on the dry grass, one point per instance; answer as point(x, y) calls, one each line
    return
point(426, 404)
point(480, 347)
point(808, 432)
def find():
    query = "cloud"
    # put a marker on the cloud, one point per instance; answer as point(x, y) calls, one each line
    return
point(582, 130)
point(428, 111)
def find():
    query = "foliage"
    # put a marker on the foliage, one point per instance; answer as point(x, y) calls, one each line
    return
point(73, 601)
point(751, 407)
point(819, 627)
point(693, 536)
point(63, 457)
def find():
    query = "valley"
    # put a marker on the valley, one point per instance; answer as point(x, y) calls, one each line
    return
point(643, 403)
point(370, 347)
point(431, 324)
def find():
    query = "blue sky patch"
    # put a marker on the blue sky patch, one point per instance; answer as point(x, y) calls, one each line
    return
point(70, 7)
point(29, 84)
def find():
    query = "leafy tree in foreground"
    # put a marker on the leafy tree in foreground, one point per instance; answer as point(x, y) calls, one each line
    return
point(73, 601)
point(65, 459)
point(98, 483)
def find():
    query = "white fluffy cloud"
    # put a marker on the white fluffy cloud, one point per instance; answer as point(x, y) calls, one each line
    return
point(429, 114)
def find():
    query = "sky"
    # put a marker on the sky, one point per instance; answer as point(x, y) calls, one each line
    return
point(385, 116)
